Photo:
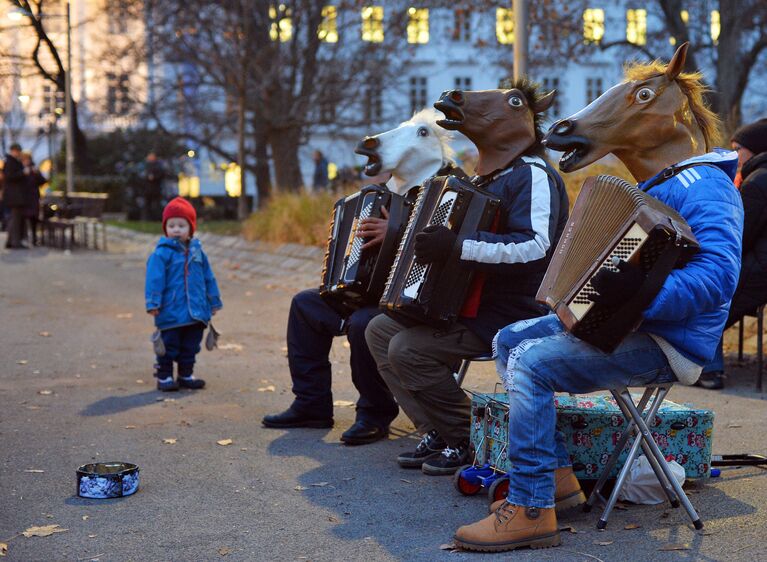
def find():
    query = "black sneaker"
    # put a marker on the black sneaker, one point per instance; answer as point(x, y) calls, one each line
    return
point(451, 459)
point(713, 380)
point(191, 382)
point(167, 385)
point(430, 447)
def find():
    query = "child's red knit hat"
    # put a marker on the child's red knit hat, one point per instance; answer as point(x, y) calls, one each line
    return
point(180, 208)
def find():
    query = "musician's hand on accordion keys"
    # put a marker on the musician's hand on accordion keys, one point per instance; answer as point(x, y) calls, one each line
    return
point(374, 229)
point(616, 287)
point(434, 244)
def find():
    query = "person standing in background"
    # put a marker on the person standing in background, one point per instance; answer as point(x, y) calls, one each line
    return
point(14, 200)
point(154, 174)
point(34, 180)
point(320, 179)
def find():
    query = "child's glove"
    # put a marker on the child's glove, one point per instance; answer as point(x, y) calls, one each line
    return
point(211, 340)
point(159, 345)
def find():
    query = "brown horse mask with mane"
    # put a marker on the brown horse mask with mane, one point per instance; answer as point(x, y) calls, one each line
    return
point(646, 121)
point(501, 123)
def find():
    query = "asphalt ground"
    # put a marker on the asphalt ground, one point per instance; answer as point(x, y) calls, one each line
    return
point(76, 387)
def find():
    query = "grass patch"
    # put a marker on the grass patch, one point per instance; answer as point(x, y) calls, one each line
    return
point(231, 228)
point(300, 218)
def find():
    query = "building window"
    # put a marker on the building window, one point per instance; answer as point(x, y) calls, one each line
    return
point(117, 16)
point(372, 24)
point(282, 24)
point(328, 30)
point(593, 25)
point(636, 26)
point(716, 26)
point(418, 25)
point(593, 89)
point(462, 83)
point(552, 83)
point(49, 100)
point(118, 99)
point(374, 102)
point(461, 25)
point(418, 93)
point(504, 26)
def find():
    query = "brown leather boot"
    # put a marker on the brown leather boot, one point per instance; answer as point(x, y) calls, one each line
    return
point(567, 494)
point(510, 527)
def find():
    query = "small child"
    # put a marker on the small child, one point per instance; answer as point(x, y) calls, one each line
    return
point(181, 294)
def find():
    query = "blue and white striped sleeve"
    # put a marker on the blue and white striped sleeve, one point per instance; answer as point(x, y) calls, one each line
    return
point(531, 203)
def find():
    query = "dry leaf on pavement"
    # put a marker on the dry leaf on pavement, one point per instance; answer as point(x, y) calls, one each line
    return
point(223, 551)
point(45, 334)
point(674, 546)
point(568, 529)
point(130, 427)
point(320, 484)
point(224, 442)
point(43, 531)
point(35, 470)
point(270, 388)
point(22, 362)
point(170, 441)
point(343, 403)
point(125, 316)
point(300, 488)
point(85, 517)
point(3, 549)
point(632, 526)
point(448, 546)
point(45, 392)
point(603, 543)
point(231, 346)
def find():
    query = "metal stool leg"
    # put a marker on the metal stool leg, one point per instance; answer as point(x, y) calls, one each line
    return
point(740, 340)
point(462, 372)
point(759, 335)
point(596, 493)
point(656, 452)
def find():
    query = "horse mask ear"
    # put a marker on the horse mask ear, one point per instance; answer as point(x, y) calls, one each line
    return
point(545, 102)
point(677, 61)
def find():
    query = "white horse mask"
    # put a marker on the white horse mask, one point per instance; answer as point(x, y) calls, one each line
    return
point(411, 153)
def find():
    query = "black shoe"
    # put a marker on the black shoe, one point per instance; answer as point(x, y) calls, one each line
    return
point(429, 448)
point(191, 382)
point(167, 385)
point(291, 418)
point(451, 459)
point(713, 380)
point(364, 432)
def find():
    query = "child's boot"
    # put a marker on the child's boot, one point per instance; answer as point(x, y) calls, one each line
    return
point(191, 382)
point(167, 384)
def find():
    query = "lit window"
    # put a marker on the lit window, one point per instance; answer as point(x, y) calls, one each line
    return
point(716, 26)
point(461, 25)
point(504, 26)
point(232, 180)
point(418, 93)
point(328, 30)
point(636, 26)
point(372, 24)
point(418, 25)
point(593, 25)
point(282, 25)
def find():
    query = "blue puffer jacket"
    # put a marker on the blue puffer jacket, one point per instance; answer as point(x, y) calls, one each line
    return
point(691, 308)
point(180, 282)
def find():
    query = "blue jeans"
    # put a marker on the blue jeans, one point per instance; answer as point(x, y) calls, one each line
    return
point(536, 358)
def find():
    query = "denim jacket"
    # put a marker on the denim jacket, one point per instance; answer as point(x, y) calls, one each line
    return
point(181, 284)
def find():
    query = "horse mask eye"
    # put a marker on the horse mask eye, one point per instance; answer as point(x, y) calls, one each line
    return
point(515, 101)
point(644, 95)
point(423, 132)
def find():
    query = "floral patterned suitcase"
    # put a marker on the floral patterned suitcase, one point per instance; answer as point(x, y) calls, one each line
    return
point(592, 426)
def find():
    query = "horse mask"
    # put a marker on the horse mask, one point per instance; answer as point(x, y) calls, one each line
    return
point(501, 123)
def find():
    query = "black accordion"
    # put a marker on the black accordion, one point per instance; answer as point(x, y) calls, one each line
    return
point(613, 221)
point(352, 277)
point(434, 293)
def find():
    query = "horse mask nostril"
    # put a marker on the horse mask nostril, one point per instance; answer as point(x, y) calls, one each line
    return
point(371, 143)
point(564, 127)
point(456, 96)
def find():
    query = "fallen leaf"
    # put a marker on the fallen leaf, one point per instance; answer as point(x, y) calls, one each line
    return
point(22, 362)
point(44, 334)
point(265, 381)
point(92, 536)
point(343, 403)
point(569, 529)
point(231, 346)
point(632, 526)
point(3, 549)
point(300, 488)
point(243, 448)
point(45, 392)
point(43, 531)
point(674, 546)
point(170, 441)
point(405, 481)
point(130, 427)
point(125, 315)
point(33, 407)
point(224, 442)
point(85, 517)
point(35, 470)
point(139, 381)
point(223, 551)
point(348, 478)
point(332, 519)
point(448, 546)
point(603, 543)
point(270, 388)
point(320, 484)
point(35, 372)
point(734, 425)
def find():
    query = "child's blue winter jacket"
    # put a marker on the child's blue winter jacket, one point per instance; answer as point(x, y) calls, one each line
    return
point(181, 284)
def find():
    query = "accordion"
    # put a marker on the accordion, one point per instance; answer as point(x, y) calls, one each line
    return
point(353, 277)
point(613, 221)
point(435, 293)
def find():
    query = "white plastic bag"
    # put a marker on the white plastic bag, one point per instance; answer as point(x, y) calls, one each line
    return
point(642, 486)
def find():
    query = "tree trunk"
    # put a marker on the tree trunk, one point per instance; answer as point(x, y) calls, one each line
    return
point(728, 69)
point(287, 171)
point(243, 209)
point(263, 176)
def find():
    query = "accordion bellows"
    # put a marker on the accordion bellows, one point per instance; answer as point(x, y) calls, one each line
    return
point(613, 221)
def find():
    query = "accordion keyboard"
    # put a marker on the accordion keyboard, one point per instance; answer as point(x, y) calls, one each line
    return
point(628, 246)
point(417, 272)
point(355, 242)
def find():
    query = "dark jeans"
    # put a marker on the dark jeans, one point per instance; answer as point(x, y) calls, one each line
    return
point(15, 227)
point(181, 345)
point(312, 325)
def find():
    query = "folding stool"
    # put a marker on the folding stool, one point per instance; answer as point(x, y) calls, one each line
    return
point(637, 415)
point(759, 313)
point(461, 374)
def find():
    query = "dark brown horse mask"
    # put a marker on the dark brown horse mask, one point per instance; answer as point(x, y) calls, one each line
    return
point(647, 122)
point(501, 123)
